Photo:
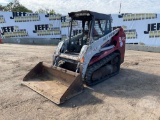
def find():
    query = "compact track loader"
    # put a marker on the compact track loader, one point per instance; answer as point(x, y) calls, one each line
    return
point(89, 57)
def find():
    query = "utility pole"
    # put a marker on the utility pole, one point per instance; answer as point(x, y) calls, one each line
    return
point(120, 8)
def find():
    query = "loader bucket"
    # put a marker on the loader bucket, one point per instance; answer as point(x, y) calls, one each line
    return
point(55, 83)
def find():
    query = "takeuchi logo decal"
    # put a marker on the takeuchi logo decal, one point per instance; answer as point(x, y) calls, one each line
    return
point(65, 22)
point(46, 29)
point(24, 16)
point(153, 30)
point(152, 27)
point(137, 16)
point(58, 17)
point(13, 31)
point(54, 16)
point(130, 33)
point(2, 19)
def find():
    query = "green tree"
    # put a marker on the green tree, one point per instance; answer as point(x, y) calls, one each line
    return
point(40, 11)
point(1, 8)
point(51, 11)
point(15, 6)
point(21, 9)
point(8, 7)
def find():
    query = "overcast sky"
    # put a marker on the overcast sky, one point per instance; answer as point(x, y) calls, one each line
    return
point(103, 6)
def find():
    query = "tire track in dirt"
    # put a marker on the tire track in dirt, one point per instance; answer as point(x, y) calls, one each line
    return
point(124, 96)
point(6, 105)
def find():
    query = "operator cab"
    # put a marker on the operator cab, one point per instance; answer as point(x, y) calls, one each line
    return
point(92, 26)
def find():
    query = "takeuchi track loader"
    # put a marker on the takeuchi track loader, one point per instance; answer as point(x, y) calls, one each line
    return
point(89, 57)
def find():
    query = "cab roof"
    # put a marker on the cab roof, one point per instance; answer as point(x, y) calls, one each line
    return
point(85, 14)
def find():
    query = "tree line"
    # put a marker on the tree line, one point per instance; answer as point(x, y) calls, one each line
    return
point(15, 6)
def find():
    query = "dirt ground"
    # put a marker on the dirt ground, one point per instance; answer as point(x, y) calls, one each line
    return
point(134, 94)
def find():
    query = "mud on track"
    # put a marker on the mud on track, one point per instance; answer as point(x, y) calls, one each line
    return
point(133, 94)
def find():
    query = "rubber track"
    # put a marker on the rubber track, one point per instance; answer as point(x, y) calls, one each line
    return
point(96, 66)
